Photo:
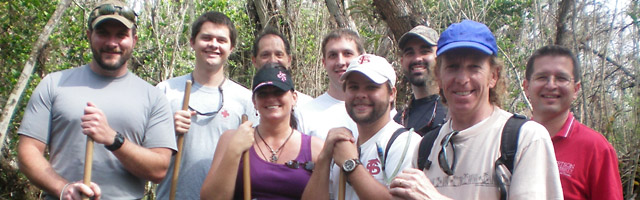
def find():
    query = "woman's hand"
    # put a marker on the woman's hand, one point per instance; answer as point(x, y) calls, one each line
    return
point(243, 138)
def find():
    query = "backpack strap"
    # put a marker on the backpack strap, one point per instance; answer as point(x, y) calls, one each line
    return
point(509, 141)
point(425, 148)
point(391, 140)
point(508, 149)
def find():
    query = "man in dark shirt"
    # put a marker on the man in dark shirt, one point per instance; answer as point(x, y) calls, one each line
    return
point(424, 111)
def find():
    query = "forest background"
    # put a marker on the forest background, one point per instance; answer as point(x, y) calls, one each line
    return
point(38, 37)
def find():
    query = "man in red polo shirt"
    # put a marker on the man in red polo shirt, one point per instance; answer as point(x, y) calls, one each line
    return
point(587, 163)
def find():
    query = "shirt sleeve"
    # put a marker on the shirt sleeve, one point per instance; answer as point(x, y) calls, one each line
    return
point(535, 173)
point(160, 130)
point(37, 115)
point(605, 180)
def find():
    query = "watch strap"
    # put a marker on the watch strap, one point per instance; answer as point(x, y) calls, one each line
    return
point(117, 142)
point(355, 161)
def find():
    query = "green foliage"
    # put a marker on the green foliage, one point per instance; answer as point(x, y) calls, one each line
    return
point(20, 25)
point(163, 49)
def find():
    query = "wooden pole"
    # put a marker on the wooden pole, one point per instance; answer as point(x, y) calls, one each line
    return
point(88, 164)
point(176, 169)
point(342, 186)
point(246, 170)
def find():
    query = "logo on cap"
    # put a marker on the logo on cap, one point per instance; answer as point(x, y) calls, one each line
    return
point(363, 59)
point(282, 76)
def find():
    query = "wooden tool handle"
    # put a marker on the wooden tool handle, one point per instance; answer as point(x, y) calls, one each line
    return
point(246, 170)
point(176, 169)
point(342, 186)
point(88, 164)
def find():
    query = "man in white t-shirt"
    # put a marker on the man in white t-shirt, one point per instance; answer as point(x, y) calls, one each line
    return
point(327, 111)
point(272, 47)
point(216, 103)
point(463, 156)
point(369, 86)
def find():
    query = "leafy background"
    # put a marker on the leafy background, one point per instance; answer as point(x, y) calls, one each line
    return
point(604, 36)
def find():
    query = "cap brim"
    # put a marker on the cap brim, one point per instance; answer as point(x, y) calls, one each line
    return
point(373, 76)
point(118, 18)
point(279, 85)
point(409, 35)
point(464, 44)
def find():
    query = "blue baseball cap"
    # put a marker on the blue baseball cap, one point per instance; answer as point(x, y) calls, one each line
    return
point(468, 34)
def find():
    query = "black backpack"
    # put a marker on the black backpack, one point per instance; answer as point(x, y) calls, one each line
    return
point(508, 148)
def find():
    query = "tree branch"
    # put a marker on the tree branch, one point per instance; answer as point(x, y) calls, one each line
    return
point(10, 108)
point(609, 60)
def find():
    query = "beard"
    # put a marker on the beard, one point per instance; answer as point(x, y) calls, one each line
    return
point(97, 56)
point(421, 78)
point(379, 109)
point(417, 80)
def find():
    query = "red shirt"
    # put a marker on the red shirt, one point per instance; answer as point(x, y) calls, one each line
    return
point(588, 164)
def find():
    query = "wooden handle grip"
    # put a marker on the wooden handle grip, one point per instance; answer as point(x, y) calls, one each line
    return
point(88, 164)
point(342, 186)
point(176, 163)
point(246, 170)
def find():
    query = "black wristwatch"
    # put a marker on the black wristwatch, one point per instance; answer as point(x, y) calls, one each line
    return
point(349, 165)
point(117, 142)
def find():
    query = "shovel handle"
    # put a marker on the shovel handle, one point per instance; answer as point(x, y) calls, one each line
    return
point(88, 164)
point(246, 170)
point(176, 169)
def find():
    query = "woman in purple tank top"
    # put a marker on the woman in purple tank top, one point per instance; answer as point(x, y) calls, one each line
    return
point(281, 157)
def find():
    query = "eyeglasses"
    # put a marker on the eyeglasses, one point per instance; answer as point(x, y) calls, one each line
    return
point(109, 9)
point(294, 164)
point(443, 158)
point(220, 103)
point(557, 80)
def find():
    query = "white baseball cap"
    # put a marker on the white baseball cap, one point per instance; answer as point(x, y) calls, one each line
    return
point(376, 68)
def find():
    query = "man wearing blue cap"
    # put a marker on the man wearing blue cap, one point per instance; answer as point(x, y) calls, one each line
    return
point(369, 86)
point(129, 119)
point(464, 156)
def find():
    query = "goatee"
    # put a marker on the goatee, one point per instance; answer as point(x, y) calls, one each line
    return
point(97, 56)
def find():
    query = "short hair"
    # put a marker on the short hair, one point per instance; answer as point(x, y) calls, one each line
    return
point(496, 93)
point(346, 34)
point(271, 31)
point(553, 50)
point(216, 18)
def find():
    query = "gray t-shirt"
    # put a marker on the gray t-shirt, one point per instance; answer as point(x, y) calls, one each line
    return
point(202, 139)
point(132, 106)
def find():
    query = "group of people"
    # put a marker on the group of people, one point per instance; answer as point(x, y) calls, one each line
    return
point(450, 142)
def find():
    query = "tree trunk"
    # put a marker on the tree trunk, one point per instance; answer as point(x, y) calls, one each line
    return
point(261, 11)
point(29, 67)
point(338, 10)
point(398, 15)
point(562, 34)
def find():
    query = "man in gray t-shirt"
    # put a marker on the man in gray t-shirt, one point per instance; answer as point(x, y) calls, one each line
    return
point(216, 104)
point(129, 120)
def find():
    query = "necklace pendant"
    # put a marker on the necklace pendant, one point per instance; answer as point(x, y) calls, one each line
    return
point(274, 158)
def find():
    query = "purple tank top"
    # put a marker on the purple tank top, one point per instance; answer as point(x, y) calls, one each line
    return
point(276, 181)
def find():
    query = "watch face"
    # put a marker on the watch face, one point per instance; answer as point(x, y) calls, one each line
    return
point(349, 165)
